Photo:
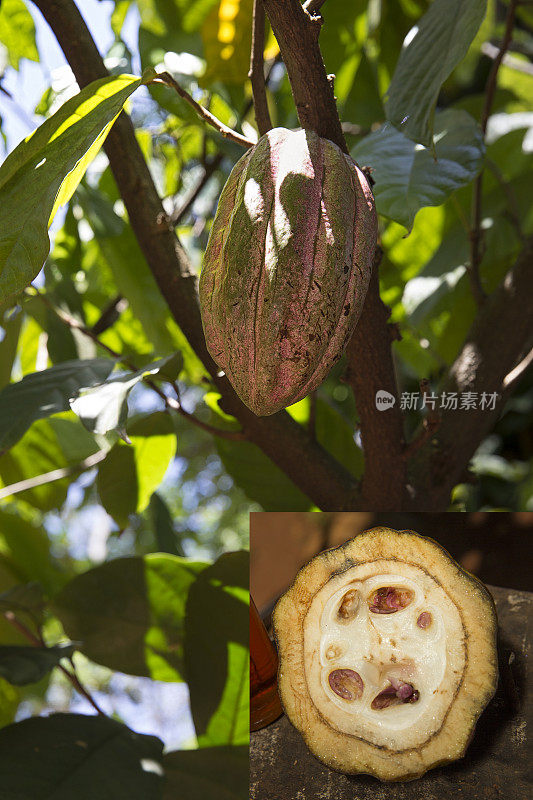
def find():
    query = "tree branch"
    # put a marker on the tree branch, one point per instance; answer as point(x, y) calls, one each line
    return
point(370, 370)
point(495, 343)
point(228, 133)
point(369, 353)
point(297, 35)
point(54, 475)
point(257, 69)
point(476, 255)
point(307, 464)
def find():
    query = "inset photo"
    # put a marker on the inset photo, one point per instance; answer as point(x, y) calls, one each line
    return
point(390, 648)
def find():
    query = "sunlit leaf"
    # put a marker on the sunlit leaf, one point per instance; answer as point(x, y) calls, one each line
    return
point(217, 651)
point(104, 407)
point(42, 173)
point(41, 394)
point(17, 32)
point(408, 177)
point(432, 48)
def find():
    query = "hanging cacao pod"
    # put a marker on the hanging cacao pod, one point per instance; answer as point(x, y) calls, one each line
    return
point(287, 267)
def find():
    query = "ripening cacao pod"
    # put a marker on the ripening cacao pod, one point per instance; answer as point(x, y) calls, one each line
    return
point(287, 267)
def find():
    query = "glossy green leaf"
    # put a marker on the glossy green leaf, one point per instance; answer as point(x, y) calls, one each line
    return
point(129, 614)
point(432, 48)
point(131, 473)
point(43, 393)
point(17, 32)
point(211, 773)
point(217, 651)
point(42, 173)
point(21, 665)
point(66, 756)
point(407, 176)
point(104, 407)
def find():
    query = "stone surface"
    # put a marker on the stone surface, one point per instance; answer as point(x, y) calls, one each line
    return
point(498, 764)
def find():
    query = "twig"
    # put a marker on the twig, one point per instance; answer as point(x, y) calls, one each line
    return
point(73, 323)
point(39, 642)
point(193, 193)
point(514, 210)
point(512, 378)
point(492, 51)
point(475, 231)
point(55, 475)
point(110, 314)
point(224, 130)
point(257, 69)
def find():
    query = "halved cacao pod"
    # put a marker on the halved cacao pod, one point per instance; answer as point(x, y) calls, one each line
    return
point(387, 655)
point(287, 267)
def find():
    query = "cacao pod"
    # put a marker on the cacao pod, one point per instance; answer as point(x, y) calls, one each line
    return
point(286, 267)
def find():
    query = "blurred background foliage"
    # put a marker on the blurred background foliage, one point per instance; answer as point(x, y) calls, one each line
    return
point(175, 488)
point(205, 487)
point(97, 275)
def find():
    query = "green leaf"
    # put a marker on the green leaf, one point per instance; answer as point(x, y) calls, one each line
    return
point(25, 549)
point(9, 701)
point(8, 346)
point(23, 597)
point(49, 445)
point(17, 32)
point(130, 474)
point(129, 614)
point(104, 407)
point(22, 665)
point(165, 535)
point(211, 773)
point(217, 651)
point(431, 50)
point(406, 174)
point(337, 436)
point(43, 393)
point(66, 756)
point(42, 173)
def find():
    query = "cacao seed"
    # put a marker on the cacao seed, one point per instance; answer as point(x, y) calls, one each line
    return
point(287, 267)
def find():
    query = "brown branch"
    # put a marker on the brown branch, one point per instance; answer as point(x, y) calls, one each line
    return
point(306, 463)
point(476, 254)
point(110, 314)
point(257, 69)
point(370, 370)
point(297, 36)
point(224, 130)
point(39, 642)
point(370, 365)
point(495, 342)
